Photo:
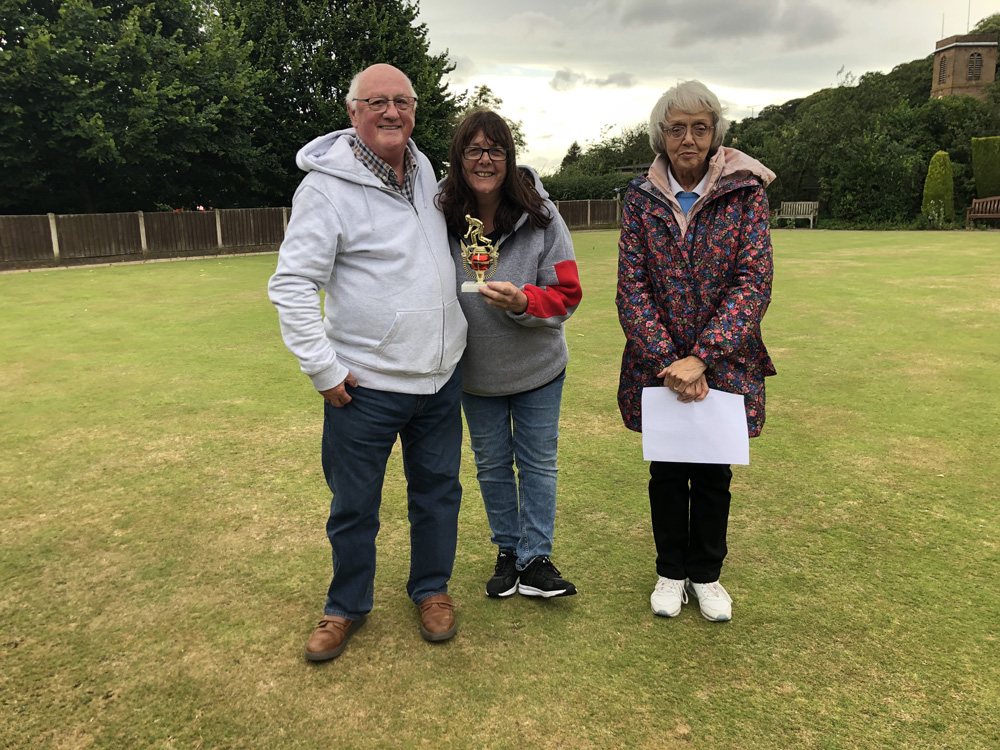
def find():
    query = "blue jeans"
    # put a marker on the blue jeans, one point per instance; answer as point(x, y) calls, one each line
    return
point(357, 441)
point(521, 429)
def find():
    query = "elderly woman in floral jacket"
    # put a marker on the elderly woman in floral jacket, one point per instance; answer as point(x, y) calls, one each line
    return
point(694, 281)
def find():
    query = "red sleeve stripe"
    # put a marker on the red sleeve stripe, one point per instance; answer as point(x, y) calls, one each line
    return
point(555, 300)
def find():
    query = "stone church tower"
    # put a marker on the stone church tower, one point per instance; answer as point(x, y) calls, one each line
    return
point(964, 65)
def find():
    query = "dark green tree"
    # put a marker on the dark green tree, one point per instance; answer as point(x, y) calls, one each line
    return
point(613, 153)
point(988, 25)
point(863, 150)
point(938, 204)
point(122, 106)
point(308, 51)
point(572, 155)
point(773, 138)
point(913, 79)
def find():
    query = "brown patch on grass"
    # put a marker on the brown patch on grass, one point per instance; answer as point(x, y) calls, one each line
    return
point(820, 267)
point(928, 455)
point(926, 282)
point(590, 424)
point(73, 739)
point(13, 375)
point(980, 306)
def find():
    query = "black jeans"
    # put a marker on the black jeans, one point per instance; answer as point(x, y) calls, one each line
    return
point(689, 504)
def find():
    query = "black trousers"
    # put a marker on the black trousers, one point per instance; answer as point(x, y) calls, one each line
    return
point(689, 504)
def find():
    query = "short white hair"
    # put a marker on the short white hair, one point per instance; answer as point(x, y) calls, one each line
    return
point(690, 97)
point(352, 90)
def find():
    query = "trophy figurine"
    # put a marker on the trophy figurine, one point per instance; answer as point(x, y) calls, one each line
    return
point(479, 256)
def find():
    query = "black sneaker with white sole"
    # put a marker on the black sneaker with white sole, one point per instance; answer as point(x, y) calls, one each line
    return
point(504, 580)
point(541, 578)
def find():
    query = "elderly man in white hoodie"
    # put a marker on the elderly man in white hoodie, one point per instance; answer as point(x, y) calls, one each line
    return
point(382, 351)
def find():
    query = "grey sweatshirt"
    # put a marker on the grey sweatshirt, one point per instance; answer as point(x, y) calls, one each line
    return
point(390, 316)
point(509, 352)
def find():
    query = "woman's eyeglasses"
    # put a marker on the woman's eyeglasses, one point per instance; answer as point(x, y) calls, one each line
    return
point(474, 153)
point(698, 130)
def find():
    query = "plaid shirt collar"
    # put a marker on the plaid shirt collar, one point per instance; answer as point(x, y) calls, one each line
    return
point(386, 173)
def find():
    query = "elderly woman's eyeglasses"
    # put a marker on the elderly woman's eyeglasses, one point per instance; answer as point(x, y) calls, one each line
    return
point(698, 130)
point(474, 153)
point(381, 104)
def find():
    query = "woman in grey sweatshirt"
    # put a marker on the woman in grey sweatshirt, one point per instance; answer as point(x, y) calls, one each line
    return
point(515, 357)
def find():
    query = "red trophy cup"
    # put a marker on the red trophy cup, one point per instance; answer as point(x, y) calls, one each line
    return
point(479, 257)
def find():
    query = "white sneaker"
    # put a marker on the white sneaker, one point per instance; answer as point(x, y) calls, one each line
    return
point(667, 597)
point(714, 601)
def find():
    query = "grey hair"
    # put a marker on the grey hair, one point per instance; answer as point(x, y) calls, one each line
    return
point(352, 90)
point(689, 97)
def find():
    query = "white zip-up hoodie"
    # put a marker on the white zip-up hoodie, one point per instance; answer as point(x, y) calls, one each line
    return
point(390, 317)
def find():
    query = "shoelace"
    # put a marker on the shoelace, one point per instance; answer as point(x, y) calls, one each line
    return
point(715, 589)
point(666, 585)
point(504, 561)
point(546, 562)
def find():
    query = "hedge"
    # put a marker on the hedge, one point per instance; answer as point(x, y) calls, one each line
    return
point(568, 185)
point(986, 165)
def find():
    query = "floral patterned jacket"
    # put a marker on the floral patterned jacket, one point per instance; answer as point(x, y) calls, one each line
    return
point(697, 284)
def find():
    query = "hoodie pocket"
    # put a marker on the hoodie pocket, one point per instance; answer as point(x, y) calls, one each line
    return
point(412, 346)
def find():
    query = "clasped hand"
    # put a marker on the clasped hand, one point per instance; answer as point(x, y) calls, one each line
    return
point(687, 378)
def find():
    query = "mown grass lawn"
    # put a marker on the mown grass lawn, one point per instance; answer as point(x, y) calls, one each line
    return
point(163, 556)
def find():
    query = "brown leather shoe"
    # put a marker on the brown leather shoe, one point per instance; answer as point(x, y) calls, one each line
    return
point(437, 618)
point(329, 638)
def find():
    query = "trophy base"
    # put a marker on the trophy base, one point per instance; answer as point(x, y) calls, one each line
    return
point(472, 286)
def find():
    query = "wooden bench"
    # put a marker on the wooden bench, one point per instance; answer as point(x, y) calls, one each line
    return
point(982, 208)
point(799, 210)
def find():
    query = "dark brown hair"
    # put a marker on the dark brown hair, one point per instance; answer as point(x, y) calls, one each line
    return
point(517, 194)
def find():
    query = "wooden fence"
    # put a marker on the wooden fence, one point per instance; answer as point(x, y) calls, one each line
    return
point(590, 214)
point(65, 239)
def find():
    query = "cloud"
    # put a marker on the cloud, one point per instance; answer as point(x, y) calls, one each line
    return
point(566, 80)
point(804, 26)
point(799, 25)
point(615, 80)
point(465, 69)
point(535, 27)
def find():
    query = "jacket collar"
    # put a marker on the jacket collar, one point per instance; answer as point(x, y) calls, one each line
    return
point(728, 169)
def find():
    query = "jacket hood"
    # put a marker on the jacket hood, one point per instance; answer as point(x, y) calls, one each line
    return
point(538, 181)
point(332, 154)
point(726, 164)
point(737, 164)
point(541, 192)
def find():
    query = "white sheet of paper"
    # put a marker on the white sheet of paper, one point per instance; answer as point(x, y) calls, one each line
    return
point(713, 431)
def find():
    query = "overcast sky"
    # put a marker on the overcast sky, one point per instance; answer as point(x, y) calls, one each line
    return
point(569, 68)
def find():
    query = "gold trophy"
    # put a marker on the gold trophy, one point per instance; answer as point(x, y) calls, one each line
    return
point(479, 257)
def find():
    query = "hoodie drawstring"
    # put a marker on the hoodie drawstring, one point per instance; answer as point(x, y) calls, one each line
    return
point(368, 206)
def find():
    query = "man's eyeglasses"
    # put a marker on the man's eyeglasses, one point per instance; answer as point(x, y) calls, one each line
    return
point(380, 103)
point(698, 130)
point(474, 153)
